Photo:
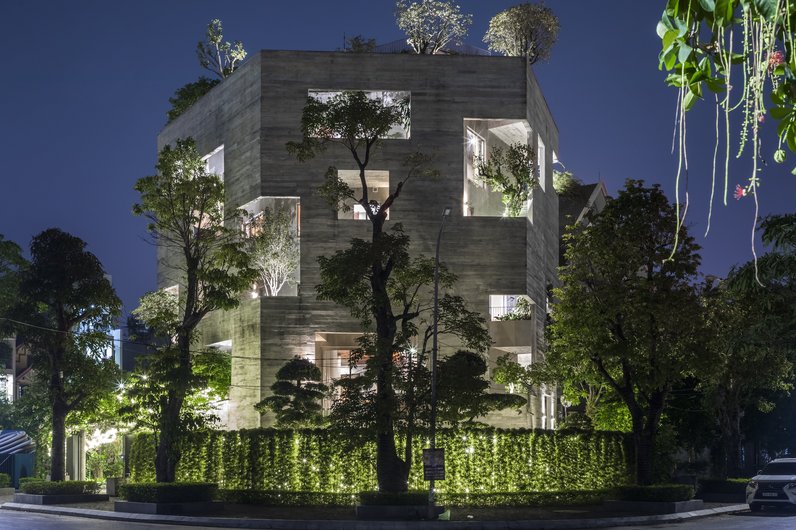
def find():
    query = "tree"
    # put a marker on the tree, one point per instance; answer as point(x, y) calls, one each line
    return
point(514, 172)
point(748, 361)
point(186, 96)
point(525, 30)
point(217, 55)
point(11, 263)
point(627, 315)
point(274, 249)
point(66, 307)
point(430, 25)
point(184, 206)
point(463, 391)
point(360, 44)
point(296, 395)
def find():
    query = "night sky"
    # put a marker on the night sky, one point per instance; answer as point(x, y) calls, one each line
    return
point(85, 88)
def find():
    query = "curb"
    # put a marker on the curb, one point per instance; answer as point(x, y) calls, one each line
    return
point(282, 524)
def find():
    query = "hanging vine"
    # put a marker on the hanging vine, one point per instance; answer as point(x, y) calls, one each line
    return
point(699, 39)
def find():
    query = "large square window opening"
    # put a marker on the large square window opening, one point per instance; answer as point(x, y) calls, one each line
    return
point(272, 232)
point(378, 183)
point(481, 138)
point(511, 307)
point(399, 131)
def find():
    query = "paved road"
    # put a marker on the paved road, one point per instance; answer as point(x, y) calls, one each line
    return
point(769, 520)
point(10, 520)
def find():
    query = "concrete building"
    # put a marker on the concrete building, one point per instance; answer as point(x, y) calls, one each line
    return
point(462, 107)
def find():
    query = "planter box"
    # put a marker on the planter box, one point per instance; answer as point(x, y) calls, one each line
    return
point(168, 508)
point(7, 491)
point(112, 486)
point(414, 512)
point(655, 508)
point(29, 498)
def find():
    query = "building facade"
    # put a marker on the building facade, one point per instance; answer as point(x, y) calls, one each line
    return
point(461, 108)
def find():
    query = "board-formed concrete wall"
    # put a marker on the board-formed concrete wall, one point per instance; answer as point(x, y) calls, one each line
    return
point(257, 111)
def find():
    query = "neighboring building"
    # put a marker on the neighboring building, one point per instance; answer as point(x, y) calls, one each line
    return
point(461, 108)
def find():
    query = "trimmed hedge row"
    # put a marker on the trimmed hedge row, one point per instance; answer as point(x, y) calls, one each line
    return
point(477, 461)
point(287, 498)
point(5, 480)
point(66, 487)
point(168, 492)
point(524, 498)
point(377, 498)
point(729, 486)
point(656, 492)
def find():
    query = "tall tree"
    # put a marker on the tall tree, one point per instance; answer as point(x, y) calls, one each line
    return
point(217, 55)
point(430, 25)
point(11, 263)
point(296, 395)
point(748, 361)
point(68, 306)
point(184, 206)
point(525, 30)
point(627, 314)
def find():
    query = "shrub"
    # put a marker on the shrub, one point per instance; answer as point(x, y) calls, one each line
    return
point(524, 498)
point(5, 480)
point(717, 485)
point(66, 487)
point(168, 492)
point(409, 498)
point(25, 480)
point(656, 492)
point(286, 498)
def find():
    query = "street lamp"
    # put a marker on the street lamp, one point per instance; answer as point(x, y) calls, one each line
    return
point(445, 214)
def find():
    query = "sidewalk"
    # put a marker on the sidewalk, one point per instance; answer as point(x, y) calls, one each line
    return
point(326, 524)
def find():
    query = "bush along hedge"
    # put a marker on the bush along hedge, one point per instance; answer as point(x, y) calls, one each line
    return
point(317, 460)
point(656, 492)
point(5, 480)
point(729, 486)
point(287, 498)
point(66, 487)
point(168, 492)
point(377, 498)
point(523, 498)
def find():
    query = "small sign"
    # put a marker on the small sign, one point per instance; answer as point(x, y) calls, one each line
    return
point(433, 464)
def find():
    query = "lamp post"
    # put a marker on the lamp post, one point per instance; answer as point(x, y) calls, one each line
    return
point(445, 214)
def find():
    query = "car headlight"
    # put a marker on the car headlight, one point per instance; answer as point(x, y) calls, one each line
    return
point(753, 484)
point(791, 485)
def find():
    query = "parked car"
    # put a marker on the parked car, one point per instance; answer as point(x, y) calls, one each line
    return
point(774, 485)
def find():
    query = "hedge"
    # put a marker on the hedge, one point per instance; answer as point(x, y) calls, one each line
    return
point(287, 498)
point(66, 487)
point(728, 486)
point(410, 498)
point(524, 498)
point(168, 492)
point(5, 480)
point(656, 492)
point(317, 460)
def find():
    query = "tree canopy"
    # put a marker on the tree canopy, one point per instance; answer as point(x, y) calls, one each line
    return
point(525, 30)
point(296, 395)
point(185, 208)
point(217, 55)
point(626, 315)
point(430, 25)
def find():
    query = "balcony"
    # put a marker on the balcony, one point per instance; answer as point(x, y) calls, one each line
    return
point(513, 336)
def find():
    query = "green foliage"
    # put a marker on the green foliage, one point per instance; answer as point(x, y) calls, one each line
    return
point(430, 25)
point(217, 55)
point(274, 249)
point(185, 96)
point(564, 182)
point(407, 498)
point(524, 310)
point(477, 461)
point(719, 485)
point(655, 492)
point(64, 487)
point(11, 263)
point(360, 44)
point(169, 492)
point(575, 421)
point(628, 316)
point(105, 461)
point(525, 30)
point(184, 206)
point(5, 480)
point(525, 498)
point(68, 306)
point(287, 498)
point(514, 172)
point(296, 395)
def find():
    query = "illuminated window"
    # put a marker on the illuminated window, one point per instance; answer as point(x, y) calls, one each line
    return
point(378, 190)
point(214, 161)
point(399, 131)
point(542, 164)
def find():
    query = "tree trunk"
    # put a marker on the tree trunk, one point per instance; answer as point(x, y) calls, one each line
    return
point(168, 453)
point(645, 456)
point(58, 462)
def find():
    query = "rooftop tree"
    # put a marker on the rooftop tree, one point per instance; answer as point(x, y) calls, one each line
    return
point(430, 25)
point(219, 56)
point(626, 315)
point(68, 306)
point(525, 30)
point(184, 206)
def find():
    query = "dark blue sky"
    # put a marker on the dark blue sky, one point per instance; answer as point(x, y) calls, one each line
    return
point(85, 85)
